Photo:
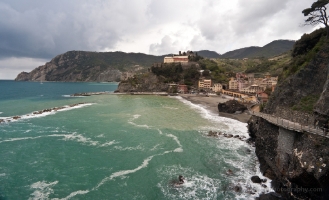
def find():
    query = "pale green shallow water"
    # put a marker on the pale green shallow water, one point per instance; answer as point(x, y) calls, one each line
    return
point(117, 147)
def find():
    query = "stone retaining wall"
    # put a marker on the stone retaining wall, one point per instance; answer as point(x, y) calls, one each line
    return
point(295, 116)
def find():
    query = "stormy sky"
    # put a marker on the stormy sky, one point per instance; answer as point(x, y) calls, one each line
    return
point(33, 32)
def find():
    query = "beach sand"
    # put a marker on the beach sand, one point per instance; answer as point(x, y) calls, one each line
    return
point(211, 103)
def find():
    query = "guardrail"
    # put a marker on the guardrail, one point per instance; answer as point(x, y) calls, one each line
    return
point(294, 126)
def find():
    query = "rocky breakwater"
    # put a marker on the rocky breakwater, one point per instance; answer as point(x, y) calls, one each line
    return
point(297, 162)
point(85, 94)
point(39, 113)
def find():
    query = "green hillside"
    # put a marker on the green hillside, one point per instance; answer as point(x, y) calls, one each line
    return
point(272, 49)
point(208, 54)
point(117, 60)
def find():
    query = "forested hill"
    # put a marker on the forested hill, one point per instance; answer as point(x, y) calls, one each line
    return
point(88, 66)
point(208, 54)
point(272, 49)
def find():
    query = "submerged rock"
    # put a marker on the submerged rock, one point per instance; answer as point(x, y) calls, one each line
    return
point(237, 188)
point(229, 172)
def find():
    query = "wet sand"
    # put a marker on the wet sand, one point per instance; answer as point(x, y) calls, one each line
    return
point(211, 103)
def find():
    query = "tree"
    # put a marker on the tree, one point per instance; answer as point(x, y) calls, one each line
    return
point(317, 14)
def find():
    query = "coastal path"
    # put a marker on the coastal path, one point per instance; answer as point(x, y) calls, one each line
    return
point(294, 126)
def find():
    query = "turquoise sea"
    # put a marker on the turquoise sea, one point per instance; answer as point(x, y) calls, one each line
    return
point(117, 146)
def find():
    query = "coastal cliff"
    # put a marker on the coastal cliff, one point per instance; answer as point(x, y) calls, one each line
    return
point(298, 162)
point(88, 66)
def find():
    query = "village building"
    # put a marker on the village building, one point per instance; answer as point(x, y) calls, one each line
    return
point(273, 87)
point(242, 84)
point(253, 89)
point(262, 97)
point(233, 84)
point(205, 84)
point(182, 89)
point(234, 94)
point(180, 58)
point(217, 87)
point(168, 59)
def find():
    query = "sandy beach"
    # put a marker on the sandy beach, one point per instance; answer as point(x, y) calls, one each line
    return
point(211, 103)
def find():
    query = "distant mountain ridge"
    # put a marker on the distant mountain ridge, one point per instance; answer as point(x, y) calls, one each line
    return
point(273, 48)
point(208, 54)
point(88, 66)
point(108, 66)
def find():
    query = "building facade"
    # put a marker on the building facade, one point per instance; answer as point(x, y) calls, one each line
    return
point(175, 59)
point(253, 89)
point(182, 89)
point(233, 84)
point(205, 84)
point(168, 59)
point(217, 87)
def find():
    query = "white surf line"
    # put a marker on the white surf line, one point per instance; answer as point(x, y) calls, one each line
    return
point(43, 113)
point(136, 117)
point(18, 139)
point(175, 138)
point(130, 171)
point(144, 164)
point(232, 124)
point(73, 194)
point(155, 147)
point(126, 172)
point(111, 177)
point(66, 137)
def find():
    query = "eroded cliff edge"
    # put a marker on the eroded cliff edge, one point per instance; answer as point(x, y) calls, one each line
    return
point(298, 162)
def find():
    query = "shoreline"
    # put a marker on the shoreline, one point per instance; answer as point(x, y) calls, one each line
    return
point(208, 102)
point(211, 103)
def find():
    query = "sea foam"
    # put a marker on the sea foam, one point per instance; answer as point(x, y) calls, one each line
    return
point(42, 190)
point(231, 125)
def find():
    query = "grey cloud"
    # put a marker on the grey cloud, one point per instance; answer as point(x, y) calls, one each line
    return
point(165, 47)
point(44, 29)
point(12, 66)
point(256, 15)
point(58, 26)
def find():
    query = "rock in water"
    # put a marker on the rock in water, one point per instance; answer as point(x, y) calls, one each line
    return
point(256, 179)
point(231, 106)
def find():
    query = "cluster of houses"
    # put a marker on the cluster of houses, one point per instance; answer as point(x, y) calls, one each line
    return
point(245, 87)
point(247, 83)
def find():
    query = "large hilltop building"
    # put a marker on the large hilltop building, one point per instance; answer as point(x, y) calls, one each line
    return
point(180, 58)
point(176, 59)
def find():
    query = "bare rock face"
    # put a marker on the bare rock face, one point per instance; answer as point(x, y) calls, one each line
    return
point(231, 106)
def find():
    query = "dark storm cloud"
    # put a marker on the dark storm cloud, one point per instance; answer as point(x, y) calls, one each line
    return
point(43, 30)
